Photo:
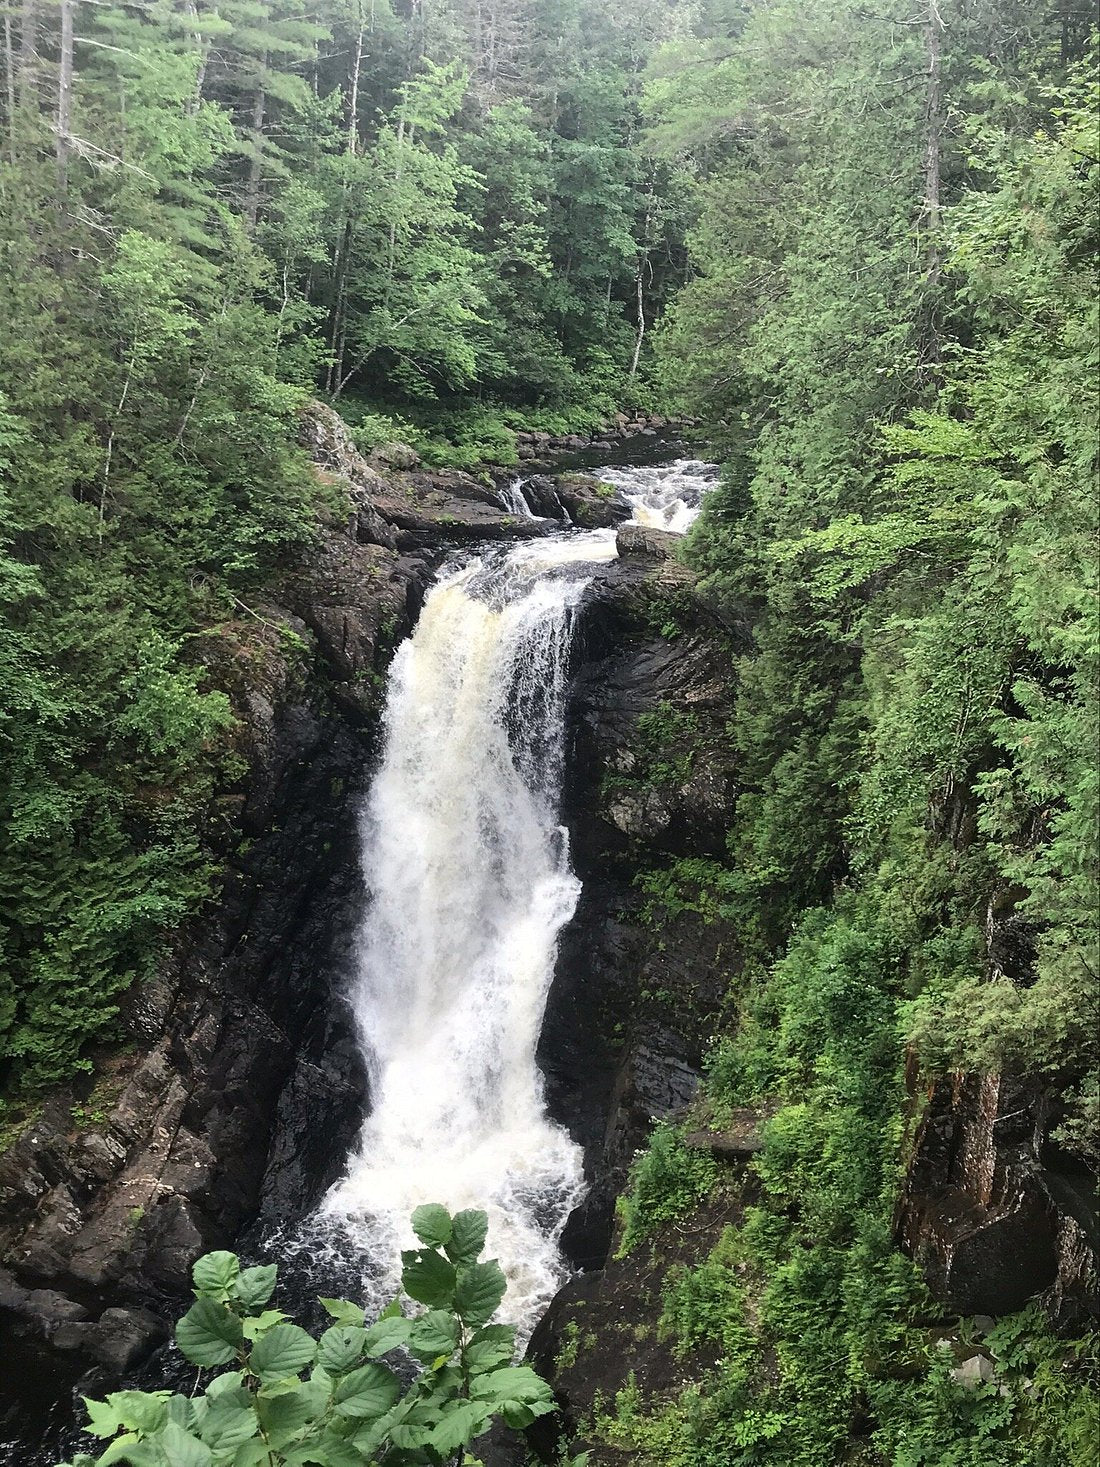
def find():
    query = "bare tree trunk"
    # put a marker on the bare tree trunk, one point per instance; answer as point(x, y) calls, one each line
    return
point(639, 278)
point(933, 131)
point(203, 52)
point(391, 256)
point(339, 318)
point(342, 262)
point(9, 85)
point(255, 167)
point(930, 206)
point(28, 52)
point(353, 100)
point(639, 333)
point(64, 98)
point(111, 441)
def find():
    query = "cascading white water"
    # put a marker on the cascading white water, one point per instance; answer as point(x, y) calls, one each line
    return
point(514, 501)
point(665, 496)
point(469, 881)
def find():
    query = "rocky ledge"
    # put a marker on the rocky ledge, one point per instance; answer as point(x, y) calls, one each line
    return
point(650, 777)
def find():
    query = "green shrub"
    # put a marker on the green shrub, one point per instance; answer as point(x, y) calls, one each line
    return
point(284, 1399)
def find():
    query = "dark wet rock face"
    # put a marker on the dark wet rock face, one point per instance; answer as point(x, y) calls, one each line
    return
point(649, 780)
point(992, 1213)
point(601, 1332)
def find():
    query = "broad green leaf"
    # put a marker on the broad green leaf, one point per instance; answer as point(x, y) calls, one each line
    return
point(103, 1417)
point(252, 1454)
point(387, 1334)
point(259, 1324)
point(490, 1348)
point(255, 1286)
point(434, 1336)
point(227, 1425)
point(215, 1273)
point(209, 1333)
point(458, 1426)
point(284, 1416)
point(468, 1233)
point(182, 1411)
point(367, 1392)
point(342, 1310)
point(518, 1416)
point(409, 1437)
point(514, 1386)
point(232, 1380)
point(129, 1448)
point(283, 1387)
point(341, 1347)
point(329, 1451)
point(181, 1449)
point(144, 1411)
point(428, 1278)
point(432, 1225)
point(283, 1351)
point(479, 1292)
point(370, 1436)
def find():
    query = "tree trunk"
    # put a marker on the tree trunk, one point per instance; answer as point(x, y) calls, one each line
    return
point(64, 98)
point(353, 100)
point(639, 278)
point(342, 261)
point(28, 53)
point(9, 86)
point(930, 207)
point(203, 51)
point(391, 255)
point(933, 131)
point(255, 167)
point(639, 332)
point(338, 319)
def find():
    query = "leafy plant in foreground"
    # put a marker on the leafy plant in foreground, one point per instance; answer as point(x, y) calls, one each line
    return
point(289, 1400)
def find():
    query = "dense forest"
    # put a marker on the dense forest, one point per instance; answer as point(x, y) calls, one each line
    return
point(859, 243)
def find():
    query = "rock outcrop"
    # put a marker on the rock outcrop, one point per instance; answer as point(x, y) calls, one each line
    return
point(650, 779)
point(241, 1088)
point(991, 1211)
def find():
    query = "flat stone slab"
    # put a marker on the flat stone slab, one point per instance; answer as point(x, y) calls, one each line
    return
point(742, 1137)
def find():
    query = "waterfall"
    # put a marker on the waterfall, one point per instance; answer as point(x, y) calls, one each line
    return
point(515, 501)
point(469, 884)
point(468, 872)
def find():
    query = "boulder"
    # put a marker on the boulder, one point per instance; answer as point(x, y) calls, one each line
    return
point(992, 1221)
point(633, 539)
point(394, 456)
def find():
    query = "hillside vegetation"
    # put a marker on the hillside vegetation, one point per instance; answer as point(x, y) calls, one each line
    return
point(893, 316)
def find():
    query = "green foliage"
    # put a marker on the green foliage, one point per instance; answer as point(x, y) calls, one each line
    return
point(905, 536)
point(666, 1183)
point(447, 234)
point(290, 1399)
